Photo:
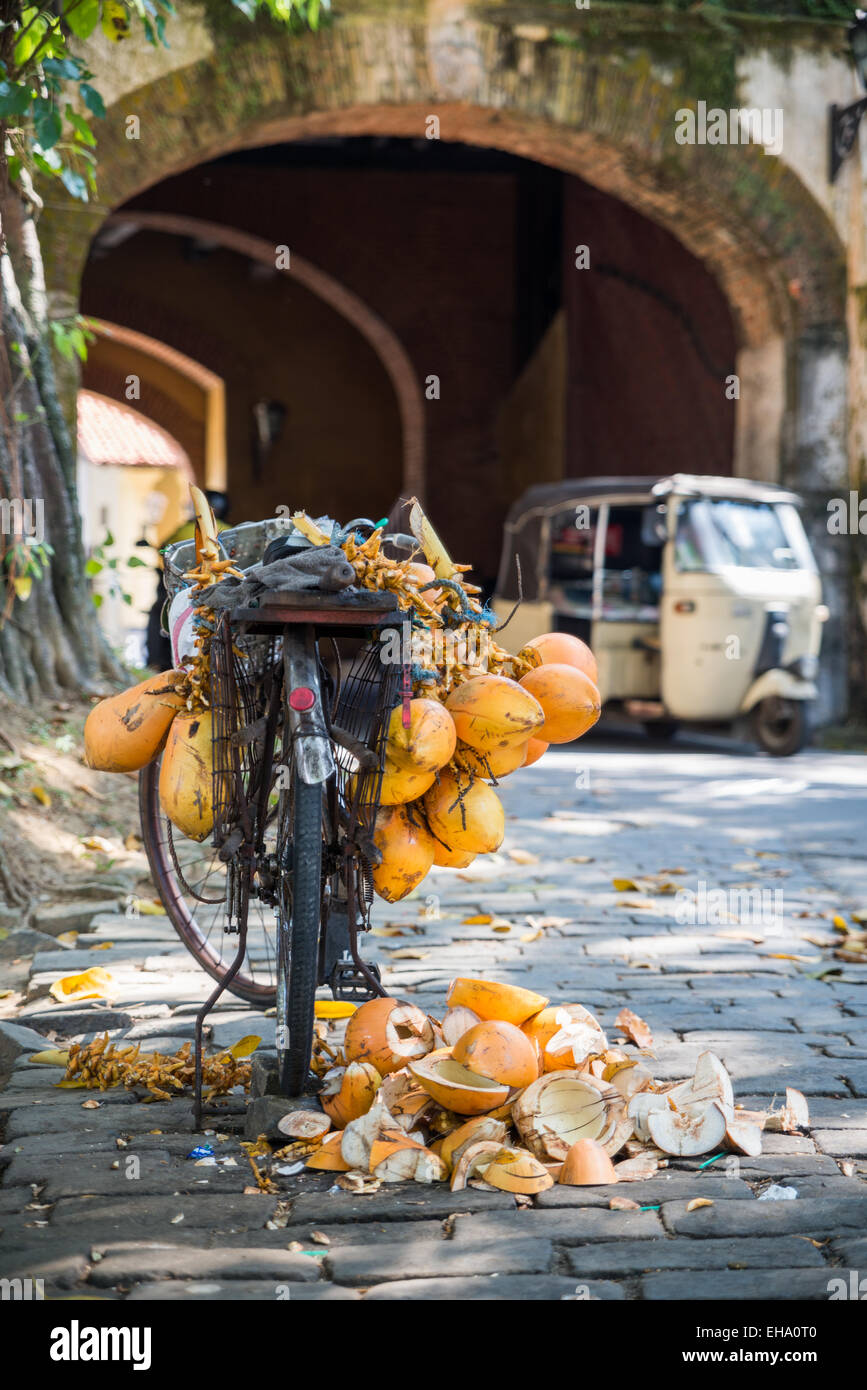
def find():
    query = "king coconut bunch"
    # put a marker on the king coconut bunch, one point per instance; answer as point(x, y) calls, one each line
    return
point(477, 713)
point(170, 713)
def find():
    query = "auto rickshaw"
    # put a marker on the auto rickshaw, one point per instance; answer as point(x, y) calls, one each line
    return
point(700, 597)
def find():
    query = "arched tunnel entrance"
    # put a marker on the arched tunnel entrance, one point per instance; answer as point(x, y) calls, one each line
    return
point(392, 315)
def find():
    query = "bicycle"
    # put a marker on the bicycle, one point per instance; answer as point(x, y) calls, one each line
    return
point(299, 751)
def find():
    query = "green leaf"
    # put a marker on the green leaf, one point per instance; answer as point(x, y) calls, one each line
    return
point(93, 567)
point(76, 185)
point(46, 123)
point(92, 100)
point(67, 69)
point(97, 600)
point(82, 16)
point(134, 563)
point(28, 42)
point(81, 126)
point(15, 98)
point(127, 598)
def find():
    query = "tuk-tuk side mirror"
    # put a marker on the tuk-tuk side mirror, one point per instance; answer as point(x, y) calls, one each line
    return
point(654, 525)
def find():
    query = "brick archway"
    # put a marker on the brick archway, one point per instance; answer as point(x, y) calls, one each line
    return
point(384, 342)
point(745, 215)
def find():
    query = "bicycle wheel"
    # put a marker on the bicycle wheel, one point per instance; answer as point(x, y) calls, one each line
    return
point(191, 880)
point(300, 854)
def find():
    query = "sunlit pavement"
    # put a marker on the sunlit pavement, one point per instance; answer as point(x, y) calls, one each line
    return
point(724, 939)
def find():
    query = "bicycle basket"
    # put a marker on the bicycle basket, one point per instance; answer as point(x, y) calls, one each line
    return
point(240, 686)
point(367, 695)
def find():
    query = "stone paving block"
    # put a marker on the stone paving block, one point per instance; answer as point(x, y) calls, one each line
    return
point(69, 1021)
point(17, 1039)
point(401, 1203)
point(832, 1187)
point(667, 1186)
point(118, 1219)
point(122, 1118)
point(135, 1262)
point(842, 1143)
point(627, 1257)
point(424, 1259)
point(24, 943)
point(511, 1288)
point(761, 1285)
point(851, 1251)
point(54, 1261)
point(812, 1216)
point(160, 1174)
point(239, 1291)
point(56, 918)
point(825, 1113)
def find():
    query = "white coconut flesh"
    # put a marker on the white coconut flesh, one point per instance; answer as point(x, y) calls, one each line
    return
point(569, 1111)
point(408, 1033)
point(455, 1074)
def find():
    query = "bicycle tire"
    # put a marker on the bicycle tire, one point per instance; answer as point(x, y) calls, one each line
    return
point(172, 895)
point(298, 935)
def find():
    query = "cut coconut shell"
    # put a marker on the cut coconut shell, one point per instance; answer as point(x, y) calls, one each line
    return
point(349, 1092)
point(474, 1159)
point(587, 1165)
point(304, 1124)
point(491, 999)
point(456, 1088)
point(634, 1028)
point(565, 1035)
point(456, 1023)
point(484, 1128)
point(562, 1107)
point(388, 1034)
point(515, 1170)
point(499, 1051)
point(687, 1133)
point(329, 1157)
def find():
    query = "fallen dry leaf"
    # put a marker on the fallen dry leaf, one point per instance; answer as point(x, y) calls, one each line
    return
point(623, 1204)
point(320, 1237)
point(634, 1027)
point(41, 795)
point(481, 919)
point(698, 1202)
point(522, 856)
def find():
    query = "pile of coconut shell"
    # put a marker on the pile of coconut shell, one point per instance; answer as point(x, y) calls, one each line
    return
point(508, 1091)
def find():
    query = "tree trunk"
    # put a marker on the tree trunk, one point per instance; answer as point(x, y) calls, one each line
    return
point(50, 643)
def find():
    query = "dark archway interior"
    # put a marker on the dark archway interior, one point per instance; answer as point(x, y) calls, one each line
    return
point(543, 370)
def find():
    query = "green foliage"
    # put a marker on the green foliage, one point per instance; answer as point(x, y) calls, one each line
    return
point(71, 337)
point(47, 98)
point(102, 562)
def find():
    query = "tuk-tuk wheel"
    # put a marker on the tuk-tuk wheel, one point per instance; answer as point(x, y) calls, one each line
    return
point(781, 727)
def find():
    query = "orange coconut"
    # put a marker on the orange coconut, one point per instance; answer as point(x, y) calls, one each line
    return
point(451, 858)
point(401, 784)
point(407, 849)
point(388, 1034)
point(455, 1087)
point(574, 1031)
point(466, 815)
point(562, 648)
point(569, 699)
point(494, 712)
point(427, 744)
point(536, 747)
point(500, 1051)
point(491, 999)
point(498, 763)
point(125, 732)
point(587, 1165)
point(329, 1157)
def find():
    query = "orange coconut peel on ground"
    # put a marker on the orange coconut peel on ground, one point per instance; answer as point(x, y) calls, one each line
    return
point(506, 1091)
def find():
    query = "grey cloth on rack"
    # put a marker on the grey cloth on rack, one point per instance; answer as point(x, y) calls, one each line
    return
point(325, 568)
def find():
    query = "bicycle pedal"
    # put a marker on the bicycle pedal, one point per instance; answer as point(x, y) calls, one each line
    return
point(348, 984)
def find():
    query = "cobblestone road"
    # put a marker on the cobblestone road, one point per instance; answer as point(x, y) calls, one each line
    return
point(754, 992)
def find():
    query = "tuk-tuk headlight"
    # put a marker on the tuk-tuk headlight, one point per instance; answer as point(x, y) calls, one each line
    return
point(807, 667)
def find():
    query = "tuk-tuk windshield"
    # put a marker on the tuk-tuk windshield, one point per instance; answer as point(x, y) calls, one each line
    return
point(713, 533)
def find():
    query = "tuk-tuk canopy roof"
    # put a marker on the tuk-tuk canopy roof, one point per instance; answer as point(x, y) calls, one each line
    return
point(525, 529)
